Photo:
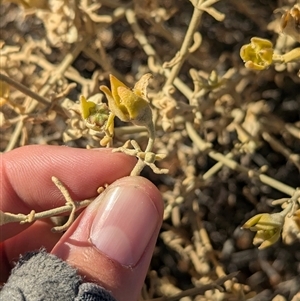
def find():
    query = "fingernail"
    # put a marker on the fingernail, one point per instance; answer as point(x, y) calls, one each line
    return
point(124, 224)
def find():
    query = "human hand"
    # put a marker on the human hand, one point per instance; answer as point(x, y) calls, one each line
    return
point(111, 242)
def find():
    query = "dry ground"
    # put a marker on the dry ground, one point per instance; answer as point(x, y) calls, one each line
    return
point(246, 122)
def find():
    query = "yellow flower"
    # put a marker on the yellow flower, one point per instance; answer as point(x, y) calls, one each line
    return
point(126, 104)
point(268, 227)
point(257, 55)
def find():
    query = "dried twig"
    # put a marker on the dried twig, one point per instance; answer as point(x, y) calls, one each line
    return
point(24, 89)
point(199, 290)
point(70, 207)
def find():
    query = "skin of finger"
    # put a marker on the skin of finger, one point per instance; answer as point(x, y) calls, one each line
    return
point(26, 177)
point(41, 236)
point(124, 283)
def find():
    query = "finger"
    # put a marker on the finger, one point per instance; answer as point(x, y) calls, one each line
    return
point(26, 177)
point(112, 242)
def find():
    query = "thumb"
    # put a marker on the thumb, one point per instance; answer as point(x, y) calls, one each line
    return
point(112, 242)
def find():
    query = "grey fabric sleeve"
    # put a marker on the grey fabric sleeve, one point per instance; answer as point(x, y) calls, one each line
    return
point(41, 276)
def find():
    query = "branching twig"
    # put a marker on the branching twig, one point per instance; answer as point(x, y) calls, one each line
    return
point(70, 206)
point(184, 50)
point(199, 290)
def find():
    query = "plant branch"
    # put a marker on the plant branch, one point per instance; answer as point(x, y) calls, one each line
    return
point(199, 290)
point(238, 167)
point(291, 56)
point(70, 57)
point(7, 217)
point(141, 163)
point(184, 50)
point(24, 89)
point(70, 206)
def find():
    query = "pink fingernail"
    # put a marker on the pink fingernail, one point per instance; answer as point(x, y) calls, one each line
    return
point(124, 224)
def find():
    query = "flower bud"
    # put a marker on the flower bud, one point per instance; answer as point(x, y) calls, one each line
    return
point(94, 114)
point(268, 227)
